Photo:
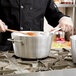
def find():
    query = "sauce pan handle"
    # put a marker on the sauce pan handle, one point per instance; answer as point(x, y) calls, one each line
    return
point(18, 41)
point(51, 33)
point(57, 29)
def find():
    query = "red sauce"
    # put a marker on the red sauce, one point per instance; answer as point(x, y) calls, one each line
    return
point(31, 34)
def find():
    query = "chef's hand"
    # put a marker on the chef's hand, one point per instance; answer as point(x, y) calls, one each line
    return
point(3, 27)
point(66, 24)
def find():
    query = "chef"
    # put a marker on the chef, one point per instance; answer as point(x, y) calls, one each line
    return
point(29, 15)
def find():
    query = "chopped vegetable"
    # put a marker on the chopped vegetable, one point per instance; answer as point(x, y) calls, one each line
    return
point(58, 45)
point(69, 44)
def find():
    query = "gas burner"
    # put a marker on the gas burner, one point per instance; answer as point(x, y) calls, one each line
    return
point(28, 59)
point(16, 57)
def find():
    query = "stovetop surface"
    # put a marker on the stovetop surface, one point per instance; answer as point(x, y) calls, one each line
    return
point(58, 59)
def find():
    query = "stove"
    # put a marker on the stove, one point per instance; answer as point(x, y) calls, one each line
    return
point(58, 59)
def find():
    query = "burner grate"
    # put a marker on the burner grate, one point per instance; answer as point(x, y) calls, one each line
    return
point(57, 59)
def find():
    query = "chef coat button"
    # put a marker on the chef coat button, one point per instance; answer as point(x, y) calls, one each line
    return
point(55, 6)
point(22, 6)
point(31, 8)
point(21, 28)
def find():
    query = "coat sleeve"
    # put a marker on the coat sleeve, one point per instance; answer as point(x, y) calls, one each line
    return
point(52, 14)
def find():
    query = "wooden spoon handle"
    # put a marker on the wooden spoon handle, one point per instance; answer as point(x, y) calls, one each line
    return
point(30, 34)
point(15, 31)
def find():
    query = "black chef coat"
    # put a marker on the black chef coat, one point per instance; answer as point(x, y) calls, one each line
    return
point(27, 15)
